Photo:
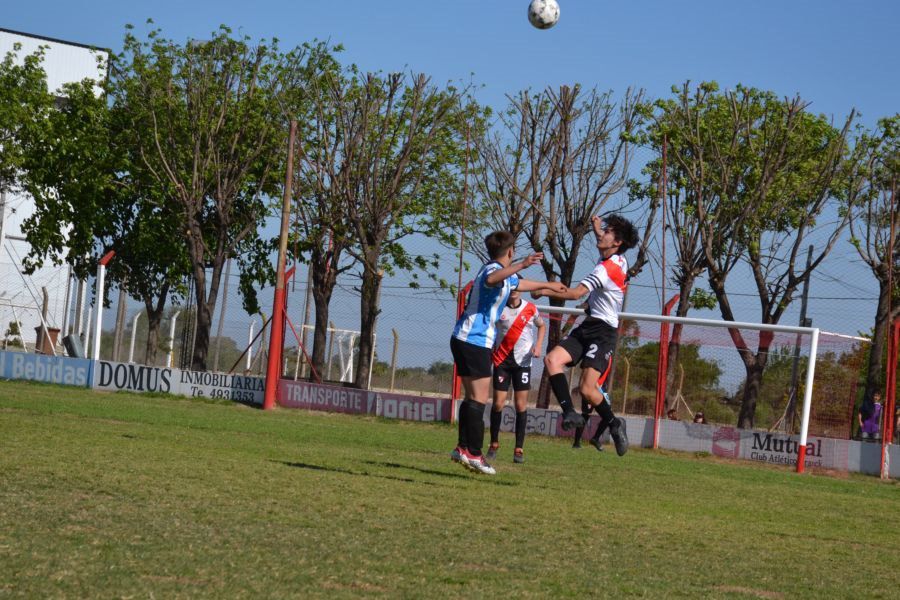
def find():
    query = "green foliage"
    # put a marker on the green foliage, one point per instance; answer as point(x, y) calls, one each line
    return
point(209, 121)
point(701, 375)
point(25, 104)
point(701, 298)
point(440, 368)
point(758, 171)
point(13, 336)
point(92, 194)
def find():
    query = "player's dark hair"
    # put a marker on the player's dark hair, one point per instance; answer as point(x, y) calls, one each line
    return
point(498, 242)
point(624, 230)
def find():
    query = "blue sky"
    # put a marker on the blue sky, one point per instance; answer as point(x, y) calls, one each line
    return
point(837, 55)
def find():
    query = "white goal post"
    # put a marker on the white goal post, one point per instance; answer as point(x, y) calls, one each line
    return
point(812, 332)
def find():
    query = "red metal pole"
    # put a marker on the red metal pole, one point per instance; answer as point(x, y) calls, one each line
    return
point(460, 307)
point(662, 365)
point(664, 198)
point(890, 401)
point(887, 431)
point(276, 339)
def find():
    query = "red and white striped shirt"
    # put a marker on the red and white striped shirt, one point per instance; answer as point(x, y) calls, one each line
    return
point(515, 330)
point(607, 284)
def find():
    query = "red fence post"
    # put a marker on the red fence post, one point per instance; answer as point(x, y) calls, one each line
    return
point(460, 307)
point(890, 401)
point(662, 365)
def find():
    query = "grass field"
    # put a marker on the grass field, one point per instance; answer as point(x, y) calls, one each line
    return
point(118, 495)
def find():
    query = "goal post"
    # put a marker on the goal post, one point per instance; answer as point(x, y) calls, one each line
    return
point(810, 334)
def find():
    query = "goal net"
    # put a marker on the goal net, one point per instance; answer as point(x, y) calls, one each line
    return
point(769, 377)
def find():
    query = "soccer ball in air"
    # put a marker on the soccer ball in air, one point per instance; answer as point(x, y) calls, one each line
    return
point(543, 14)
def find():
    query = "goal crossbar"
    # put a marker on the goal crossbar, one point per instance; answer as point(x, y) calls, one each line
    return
point(813, 332)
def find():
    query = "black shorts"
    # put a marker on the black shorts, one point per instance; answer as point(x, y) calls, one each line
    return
point(509, 372)
point(471, 360)
point(592, 344)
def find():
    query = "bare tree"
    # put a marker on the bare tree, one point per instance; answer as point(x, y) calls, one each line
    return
point(557, 160)
point(321, 176)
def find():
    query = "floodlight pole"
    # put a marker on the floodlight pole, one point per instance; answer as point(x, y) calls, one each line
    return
point(101, 280)
point(276, 341)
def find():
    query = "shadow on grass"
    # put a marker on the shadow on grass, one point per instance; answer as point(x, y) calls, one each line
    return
point(390, 465)
point(441, 473)
point(299, 465)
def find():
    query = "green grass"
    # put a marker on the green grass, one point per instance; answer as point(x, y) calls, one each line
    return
point(118, 495)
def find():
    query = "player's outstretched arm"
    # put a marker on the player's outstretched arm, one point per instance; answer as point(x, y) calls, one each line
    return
point(529, 285)
point(500, 274)
point(568, 294)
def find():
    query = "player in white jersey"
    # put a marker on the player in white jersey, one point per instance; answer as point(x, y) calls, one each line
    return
point(473, 340)
point(593, 342)
point(516, 345)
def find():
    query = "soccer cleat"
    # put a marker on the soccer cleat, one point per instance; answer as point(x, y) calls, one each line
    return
point(619, 436)
point(595, 442)
point(518, 456)
point(479, 465)
point(572, 420)
point(492, 451)
point(459, 455)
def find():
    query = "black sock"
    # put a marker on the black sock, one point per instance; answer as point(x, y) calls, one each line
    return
point(605, 411)
point(521, 423)
point(462, 420)
point(560, 387)
point(606, 418)
point(475, 426)
point(496, 418)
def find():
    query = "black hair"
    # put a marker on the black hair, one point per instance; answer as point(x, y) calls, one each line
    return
point(624, 230)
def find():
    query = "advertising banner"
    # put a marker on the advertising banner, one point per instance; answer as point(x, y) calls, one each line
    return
point(45, 369)
point(316, 396)
point(114, 377)
point(225, 386)
point(411, 408)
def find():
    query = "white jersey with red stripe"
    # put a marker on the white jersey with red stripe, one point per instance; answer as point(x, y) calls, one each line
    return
point(477, 324)
point(516, 333)
point(607, 284)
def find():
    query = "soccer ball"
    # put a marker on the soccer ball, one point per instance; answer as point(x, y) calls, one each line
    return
point(543, 14)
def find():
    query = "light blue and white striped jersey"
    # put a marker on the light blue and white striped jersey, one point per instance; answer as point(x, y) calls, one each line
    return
point(478, 323)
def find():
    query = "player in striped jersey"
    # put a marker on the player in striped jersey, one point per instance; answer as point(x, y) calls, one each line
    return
point(593, 342)
point(473, 340)
point(515, 348)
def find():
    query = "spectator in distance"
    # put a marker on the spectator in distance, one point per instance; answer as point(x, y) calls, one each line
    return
point(869, 418)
